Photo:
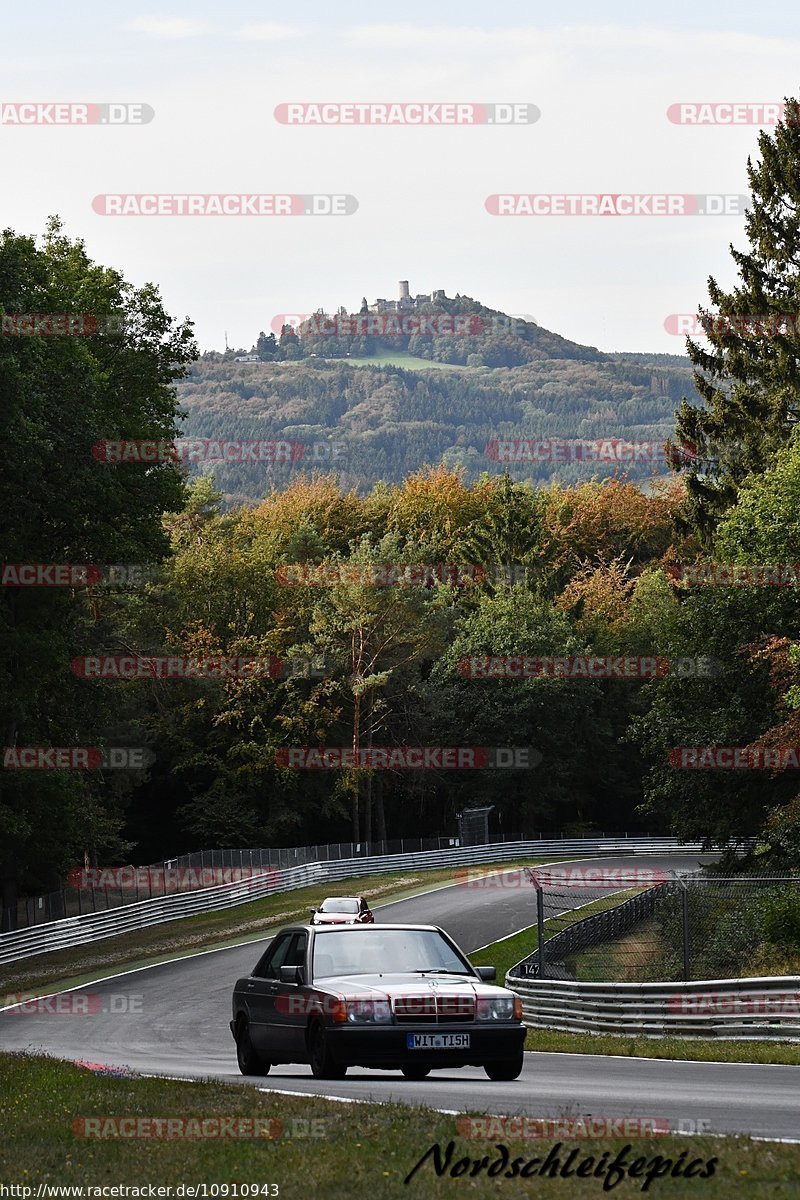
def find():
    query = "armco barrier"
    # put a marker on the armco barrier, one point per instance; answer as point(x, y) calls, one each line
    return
point(738, 1009)
point(77, 931)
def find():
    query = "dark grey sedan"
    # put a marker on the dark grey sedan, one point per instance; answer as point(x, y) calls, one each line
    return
point(392, 997)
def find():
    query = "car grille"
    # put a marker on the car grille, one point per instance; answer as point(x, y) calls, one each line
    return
point(431, 1009)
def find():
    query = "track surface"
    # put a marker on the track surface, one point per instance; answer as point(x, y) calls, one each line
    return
point(173, 1020)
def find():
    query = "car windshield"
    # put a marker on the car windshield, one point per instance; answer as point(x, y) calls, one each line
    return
point(339, 906)
point(377, 950)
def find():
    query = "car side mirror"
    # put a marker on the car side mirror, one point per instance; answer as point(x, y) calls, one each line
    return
point(485, 973)
point(291, 975)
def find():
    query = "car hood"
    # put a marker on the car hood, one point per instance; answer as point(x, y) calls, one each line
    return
point(402, 984)
point(334, 918)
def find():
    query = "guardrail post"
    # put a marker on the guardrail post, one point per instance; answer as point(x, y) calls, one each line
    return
point(540, 925)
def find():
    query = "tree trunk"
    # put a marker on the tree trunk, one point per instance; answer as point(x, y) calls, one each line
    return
point(380, 811)
point(357, 779)
point(368, 797)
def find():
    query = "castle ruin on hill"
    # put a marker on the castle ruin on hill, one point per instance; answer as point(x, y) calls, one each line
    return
point(406, 302)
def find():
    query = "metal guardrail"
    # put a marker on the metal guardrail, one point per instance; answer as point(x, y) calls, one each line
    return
point(738, 1009)
point(77, 931)
point(175, 874)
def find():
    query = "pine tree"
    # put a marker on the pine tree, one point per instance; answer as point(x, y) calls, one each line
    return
point(749, 376)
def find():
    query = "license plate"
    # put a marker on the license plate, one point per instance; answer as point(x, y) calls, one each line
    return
point(437, 1041)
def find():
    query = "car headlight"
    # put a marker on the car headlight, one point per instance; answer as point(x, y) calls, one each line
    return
point(500, 1008)
point(369, 1012)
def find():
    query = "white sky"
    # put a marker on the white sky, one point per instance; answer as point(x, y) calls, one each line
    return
point(215, 73)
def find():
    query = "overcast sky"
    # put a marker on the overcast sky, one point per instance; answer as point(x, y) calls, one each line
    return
point(215, 73)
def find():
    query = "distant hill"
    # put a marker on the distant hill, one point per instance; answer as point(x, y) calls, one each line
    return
point(512, 381)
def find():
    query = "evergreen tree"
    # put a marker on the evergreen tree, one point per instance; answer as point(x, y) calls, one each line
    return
point(749, 376)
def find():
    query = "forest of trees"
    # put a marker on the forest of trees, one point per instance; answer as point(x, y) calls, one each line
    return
point(569, 569)
point(388, 421)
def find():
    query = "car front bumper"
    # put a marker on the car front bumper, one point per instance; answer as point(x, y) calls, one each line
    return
point(385, 1046)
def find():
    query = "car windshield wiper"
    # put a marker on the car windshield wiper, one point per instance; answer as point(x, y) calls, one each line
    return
point(435, 971)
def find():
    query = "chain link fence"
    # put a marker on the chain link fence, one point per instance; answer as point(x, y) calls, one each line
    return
point(690, 927)
point(98, 891)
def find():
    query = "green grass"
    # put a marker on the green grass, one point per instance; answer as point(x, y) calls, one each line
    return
point(627, 959)
point(364, 1148)
point(687, 1049)
point(235, 926)
point(398, 358)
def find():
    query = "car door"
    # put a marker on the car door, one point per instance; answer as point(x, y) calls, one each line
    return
point(261, 989)
point(286, 1035)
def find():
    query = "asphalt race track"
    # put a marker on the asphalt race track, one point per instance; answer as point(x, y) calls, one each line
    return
point(173, 1020)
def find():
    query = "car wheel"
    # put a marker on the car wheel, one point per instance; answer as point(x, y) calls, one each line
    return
point(510, 1068)
point(322, 1064)
point(250, 1061)
point(413, 1071)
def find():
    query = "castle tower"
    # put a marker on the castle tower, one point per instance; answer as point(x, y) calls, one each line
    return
point(404, 292)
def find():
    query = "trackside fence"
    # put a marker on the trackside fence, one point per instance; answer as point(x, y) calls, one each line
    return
point(94, 926)
point(669, 960)
point(205, 868)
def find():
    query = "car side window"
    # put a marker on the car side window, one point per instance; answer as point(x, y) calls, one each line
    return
point(274, 957)
point(296, 956)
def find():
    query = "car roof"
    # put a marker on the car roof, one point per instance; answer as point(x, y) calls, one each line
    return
point(359, 929)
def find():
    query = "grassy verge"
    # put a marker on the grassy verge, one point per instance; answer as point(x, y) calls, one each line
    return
point(511, 950)
point(397, 358)
point(354, 1147)
point(688, 1049)
point(233, 926)
point(629, 958)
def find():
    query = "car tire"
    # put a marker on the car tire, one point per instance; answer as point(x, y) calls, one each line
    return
point(506, 1069)
point(319, 1053)
point(250, 1061)
point(413, 1071)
